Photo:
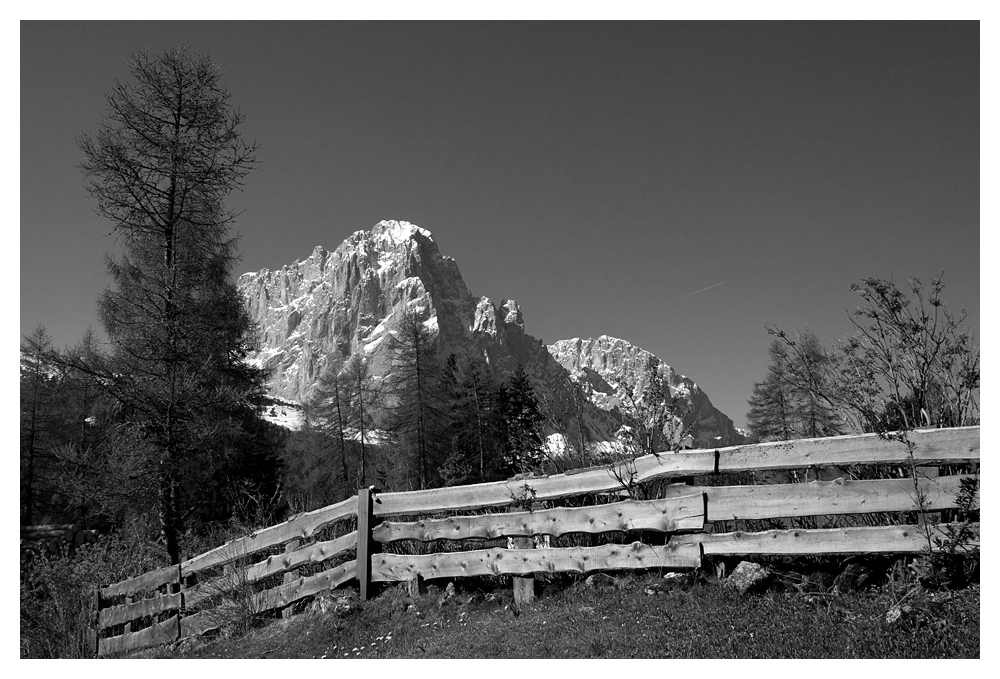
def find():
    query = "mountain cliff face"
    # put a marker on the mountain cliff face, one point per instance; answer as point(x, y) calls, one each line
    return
point(346, 301)
point(604, 366)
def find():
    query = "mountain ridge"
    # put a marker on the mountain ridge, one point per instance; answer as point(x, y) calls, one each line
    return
point(349, 299)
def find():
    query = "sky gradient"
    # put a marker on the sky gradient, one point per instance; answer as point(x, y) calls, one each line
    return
point(677, 185)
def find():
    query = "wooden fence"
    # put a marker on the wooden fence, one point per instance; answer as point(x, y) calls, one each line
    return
point(395, 537)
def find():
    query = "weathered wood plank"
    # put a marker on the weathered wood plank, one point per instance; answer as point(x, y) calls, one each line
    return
point(680, 513)
point(316, 552)
point(503, 493)
point(859, 540)
point(933, 446)
point(302, 527)
point(290, 592)
point(160, 633)
point(117, 615)
point(401, 567)
point(815, 498)
point(146, 581)
point(278, 597)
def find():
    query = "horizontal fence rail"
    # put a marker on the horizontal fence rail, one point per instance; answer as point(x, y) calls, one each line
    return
point(686, 512)
point(396, 567)
point(840, 496)
point(171, 604)
point(353, 541)
point(933, 446)
point(302, 526)
point(856, 540)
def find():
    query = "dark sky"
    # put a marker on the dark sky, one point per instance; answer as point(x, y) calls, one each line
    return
point(598, 173)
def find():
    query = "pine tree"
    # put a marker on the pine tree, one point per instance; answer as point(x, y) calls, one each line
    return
point(37, 397)
point(771, 412)
point(471, 389)
point(167, 155)
point(363, 396)
point(420, 417)
point(796, 399)
point(520, 423)
point(328, 407)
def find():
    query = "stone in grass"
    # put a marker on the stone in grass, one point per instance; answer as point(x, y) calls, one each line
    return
point(748, 577)
point(599, 580)
point(671, 581)
point(654, 588)
point(449, 594)
point(339, 603)
point(898, 613)
point(853, 578)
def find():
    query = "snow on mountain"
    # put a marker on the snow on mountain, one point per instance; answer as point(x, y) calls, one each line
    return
point(604, 366)
point(348, 300)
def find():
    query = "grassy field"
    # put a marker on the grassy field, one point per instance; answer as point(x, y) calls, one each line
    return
point(689, 618)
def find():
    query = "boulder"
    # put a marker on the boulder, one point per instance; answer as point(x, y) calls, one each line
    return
point(748, 577)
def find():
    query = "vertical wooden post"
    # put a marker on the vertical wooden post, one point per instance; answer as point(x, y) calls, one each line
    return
point(291, 575)
point(364, 559)
point(524, 588)
point(175, 588)
point(187, 582)
point(96, 633)
point(416, 587)
point(129, 598)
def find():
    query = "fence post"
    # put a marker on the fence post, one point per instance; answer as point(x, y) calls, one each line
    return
point(364, 560)
point(177, 588)
point(524, 588)
point(96, 632)
point(290, 576)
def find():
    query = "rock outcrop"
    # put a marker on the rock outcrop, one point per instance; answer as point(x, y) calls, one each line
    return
point(345, 301)
point(604, 366)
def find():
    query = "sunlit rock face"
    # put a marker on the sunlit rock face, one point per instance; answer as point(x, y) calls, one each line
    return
point(606, 365)
point(349, 300)
point(345, 301)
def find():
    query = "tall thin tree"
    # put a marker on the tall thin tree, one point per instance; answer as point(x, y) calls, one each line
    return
point(415, 382)
point(362, 397)
point(168, 153)
point(329, 404)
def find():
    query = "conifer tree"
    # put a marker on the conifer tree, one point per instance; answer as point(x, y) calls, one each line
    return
point(796, 398)
point(37, 397)
point(165, 158)
point(362, 397)
point(419, 415)
point(771, 413)
point(473, 455)
point(329, 405)
point(520, 423)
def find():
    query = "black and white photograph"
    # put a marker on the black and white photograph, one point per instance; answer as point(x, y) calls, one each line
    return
point(439, 338)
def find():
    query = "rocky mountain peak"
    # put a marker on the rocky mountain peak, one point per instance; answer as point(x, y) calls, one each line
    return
point(348, 300)
point(605, 366)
